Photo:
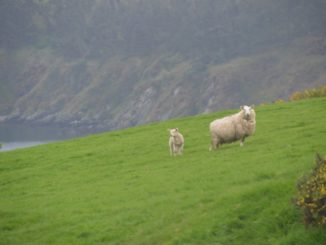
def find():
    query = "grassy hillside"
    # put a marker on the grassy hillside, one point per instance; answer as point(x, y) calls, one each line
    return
point(123, 187)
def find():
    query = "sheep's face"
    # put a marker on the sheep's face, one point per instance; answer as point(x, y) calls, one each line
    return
point(247, 111)
point(173, 132)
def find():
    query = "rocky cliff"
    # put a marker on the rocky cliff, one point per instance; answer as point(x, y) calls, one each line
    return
point(114, 64)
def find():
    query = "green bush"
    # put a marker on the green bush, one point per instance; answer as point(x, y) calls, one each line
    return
point(312, 195)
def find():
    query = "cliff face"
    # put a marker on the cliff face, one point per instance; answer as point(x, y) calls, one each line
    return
point(114, 64)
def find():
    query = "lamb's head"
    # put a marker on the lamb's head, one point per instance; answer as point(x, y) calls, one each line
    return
point(248, 112)
point(173, 131)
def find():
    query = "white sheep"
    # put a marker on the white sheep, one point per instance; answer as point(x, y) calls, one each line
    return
point(176, 142)
point(232, 128)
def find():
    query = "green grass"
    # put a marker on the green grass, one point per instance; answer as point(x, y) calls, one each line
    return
point(123, 187)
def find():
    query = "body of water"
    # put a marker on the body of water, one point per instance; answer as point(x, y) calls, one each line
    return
point(20, 144)
point(13, 136)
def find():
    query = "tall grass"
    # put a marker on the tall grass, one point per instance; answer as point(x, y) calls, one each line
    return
point(123, 187)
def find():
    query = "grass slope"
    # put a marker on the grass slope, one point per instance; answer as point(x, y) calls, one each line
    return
point(123, 187)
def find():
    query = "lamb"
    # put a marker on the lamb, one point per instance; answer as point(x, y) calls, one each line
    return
point(176, 142)
point(234, 127)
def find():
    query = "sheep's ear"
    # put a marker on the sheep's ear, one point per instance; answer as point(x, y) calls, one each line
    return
point(252, 106)
point(241, 107)
point(176, 129)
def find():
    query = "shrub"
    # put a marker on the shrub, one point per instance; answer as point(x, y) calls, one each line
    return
point(312, 194)
point(309, 93)
point(279, 101)
point(296, 96)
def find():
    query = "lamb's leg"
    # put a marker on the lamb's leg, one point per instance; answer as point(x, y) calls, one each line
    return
point(175, 150)
point(181, 149)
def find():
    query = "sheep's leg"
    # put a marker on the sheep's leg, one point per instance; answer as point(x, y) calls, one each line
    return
point(242, 141)
point(214, 144)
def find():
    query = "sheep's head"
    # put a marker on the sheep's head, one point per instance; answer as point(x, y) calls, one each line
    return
point(173, 131)
point(248, 112)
